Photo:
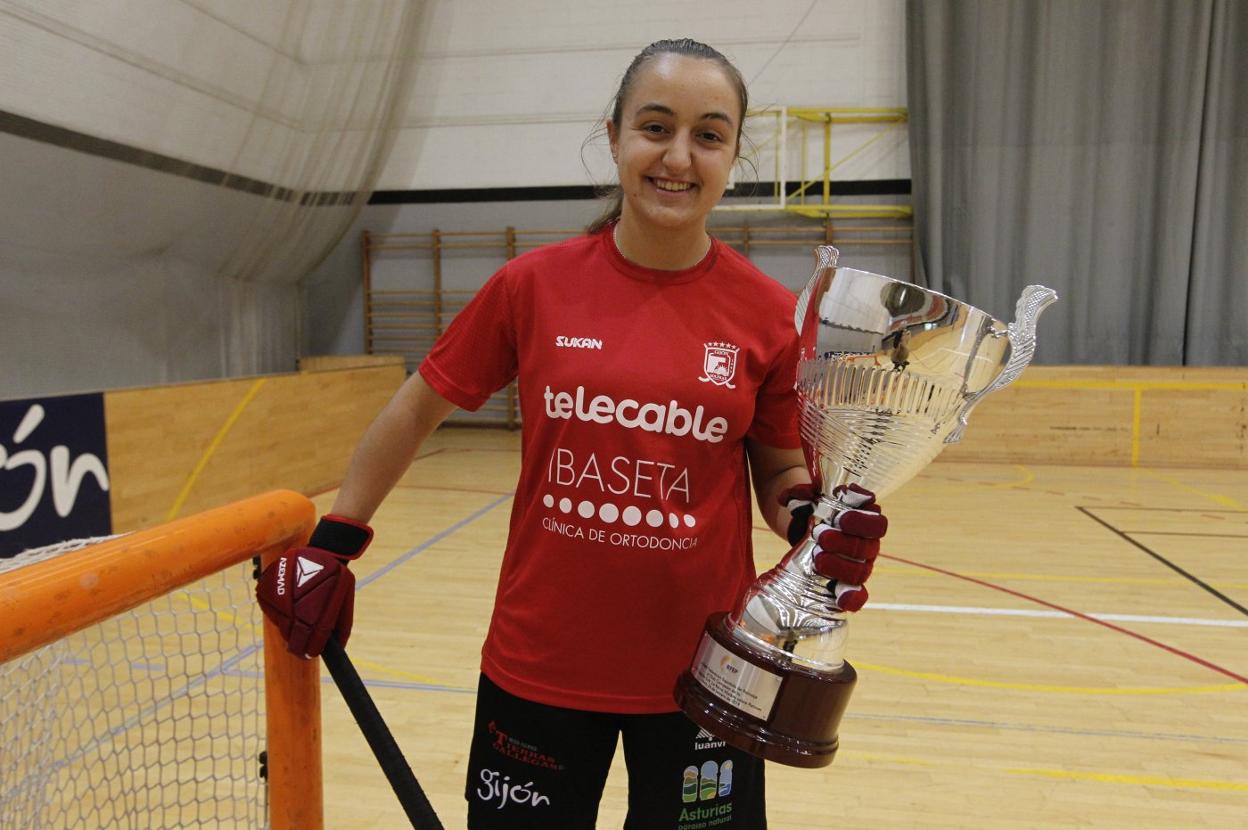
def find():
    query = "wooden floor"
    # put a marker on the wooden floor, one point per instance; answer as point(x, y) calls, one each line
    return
point(1046, 647)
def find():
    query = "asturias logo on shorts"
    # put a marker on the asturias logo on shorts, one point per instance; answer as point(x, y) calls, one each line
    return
point(709, 783)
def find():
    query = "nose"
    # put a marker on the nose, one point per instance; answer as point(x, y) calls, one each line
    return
point(679, 153)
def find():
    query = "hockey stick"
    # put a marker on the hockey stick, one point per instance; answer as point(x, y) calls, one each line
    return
point(419, 811)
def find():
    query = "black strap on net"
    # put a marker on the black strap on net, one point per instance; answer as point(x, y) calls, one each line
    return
point(419, 811)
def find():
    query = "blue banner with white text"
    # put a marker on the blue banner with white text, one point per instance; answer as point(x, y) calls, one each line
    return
point(54, 482)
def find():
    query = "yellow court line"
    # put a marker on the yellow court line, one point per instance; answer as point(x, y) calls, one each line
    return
point(225, 616)
point(1137, 406)
point(212, 448)
point(1062, 774)
point(1137, 388)
point(400, 674)
point(1027, 478)
point(1216, 498)
point(851, 755)
point(1039, 687)
point(1141, 385)
point(1141, 780)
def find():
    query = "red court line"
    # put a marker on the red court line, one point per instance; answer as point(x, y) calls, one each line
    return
point(430, 454)
point(454, 489)
point(1175, 651)
point(481, 449)
point(325, 490)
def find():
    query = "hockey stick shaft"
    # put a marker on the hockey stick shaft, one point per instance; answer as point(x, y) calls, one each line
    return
point(402, 780)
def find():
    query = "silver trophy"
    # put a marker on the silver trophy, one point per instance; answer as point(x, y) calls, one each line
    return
point(887, 376)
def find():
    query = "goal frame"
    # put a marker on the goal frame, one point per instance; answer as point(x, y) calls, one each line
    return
point(45, 601)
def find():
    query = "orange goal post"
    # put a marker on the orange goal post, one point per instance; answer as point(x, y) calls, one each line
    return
point(141, 687)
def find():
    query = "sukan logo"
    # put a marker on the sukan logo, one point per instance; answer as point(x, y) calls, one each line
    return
point(578, 342)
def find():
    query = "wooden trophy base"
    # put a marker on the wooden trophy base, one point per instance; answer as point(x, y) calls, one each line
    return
point(751, 700)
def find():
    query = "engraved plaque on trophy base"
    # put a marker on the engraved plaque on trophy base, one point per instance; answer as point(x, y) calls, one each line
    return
point(749, 699)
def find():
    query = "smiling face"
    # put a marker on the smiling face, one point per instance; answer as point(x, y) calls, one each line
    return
point(675, 142)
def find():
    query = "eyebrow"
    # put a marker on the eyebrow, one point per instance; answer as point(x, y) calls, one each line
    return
point(719, 116)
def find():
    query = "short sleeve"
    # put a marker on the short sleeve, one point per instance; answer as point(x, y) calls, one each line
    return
point(476, 355)
point(775, 409)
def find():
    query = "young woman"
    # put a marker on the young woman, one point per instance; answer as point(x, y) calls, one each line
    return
point(656, 366)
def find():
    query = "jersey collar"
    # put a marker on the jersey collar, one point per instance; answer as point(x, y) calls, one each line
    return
point(656, 275)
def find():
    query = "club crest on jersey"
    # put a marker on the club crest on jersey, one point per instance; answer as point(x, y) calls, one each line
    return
point(719, 364)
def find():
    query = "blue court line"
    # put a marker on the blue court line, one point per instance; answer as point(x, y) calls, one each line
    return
point(927, 719)
point(195, 681)
point(382, 571)
point(226, 668)
point(409, 685)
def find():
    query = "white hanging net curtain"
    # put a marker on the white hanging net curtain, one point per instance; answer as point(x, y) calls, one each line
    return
point(322, 126)
point(175, 169)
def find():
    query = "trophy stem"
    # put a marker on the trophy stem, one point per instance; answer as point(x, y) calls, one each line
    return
point(761, 704)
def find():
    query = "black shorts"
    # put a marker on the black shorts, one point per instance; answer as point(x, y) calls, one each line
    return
point(537, 766)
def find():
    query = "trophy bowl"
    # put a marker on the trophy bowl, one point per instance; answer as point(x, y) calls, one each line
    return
point(887, 375)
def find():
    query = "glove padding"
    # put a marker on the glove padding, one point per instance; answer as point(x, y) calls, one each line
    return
point(848, 541)
point(309, 593)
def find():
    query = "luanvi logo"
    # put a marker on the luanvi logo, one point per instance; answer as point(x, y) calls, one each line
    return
point(578, 342)
point(705, 740)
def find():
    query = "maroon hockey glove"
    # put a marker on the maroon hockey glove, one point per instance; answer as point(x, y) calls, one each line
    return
point(800, 502)
point(849, 540)
point(309, 592)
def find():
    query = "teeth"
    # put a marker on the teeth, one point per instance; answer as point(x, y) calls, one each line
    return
point(672, 186)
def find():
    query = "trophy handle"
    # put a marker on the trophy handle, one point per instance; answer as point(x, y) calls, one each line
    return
point(827, 257)
point(1022, 334)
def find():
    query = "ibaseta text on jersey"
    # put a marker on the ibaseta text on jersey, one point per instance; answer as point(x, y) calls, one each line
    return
point(632, 516)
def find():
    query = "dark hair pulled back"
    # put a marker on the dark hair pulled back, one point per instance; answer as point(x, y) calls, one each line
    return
point(679, 46)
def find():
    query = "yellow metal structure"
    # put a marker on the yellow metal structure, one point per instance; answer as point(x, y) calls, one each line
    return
point(819, 204)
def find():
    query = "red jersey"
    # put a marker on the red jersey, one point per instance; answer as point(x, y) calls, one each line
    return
point(631, 521)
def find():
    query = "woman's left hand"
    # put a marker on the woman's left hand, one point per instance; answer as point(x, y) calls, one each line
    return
point(848, 541)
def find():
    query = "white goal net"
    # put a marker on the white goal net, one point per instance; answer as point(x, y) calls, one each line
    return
point(153, 718)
